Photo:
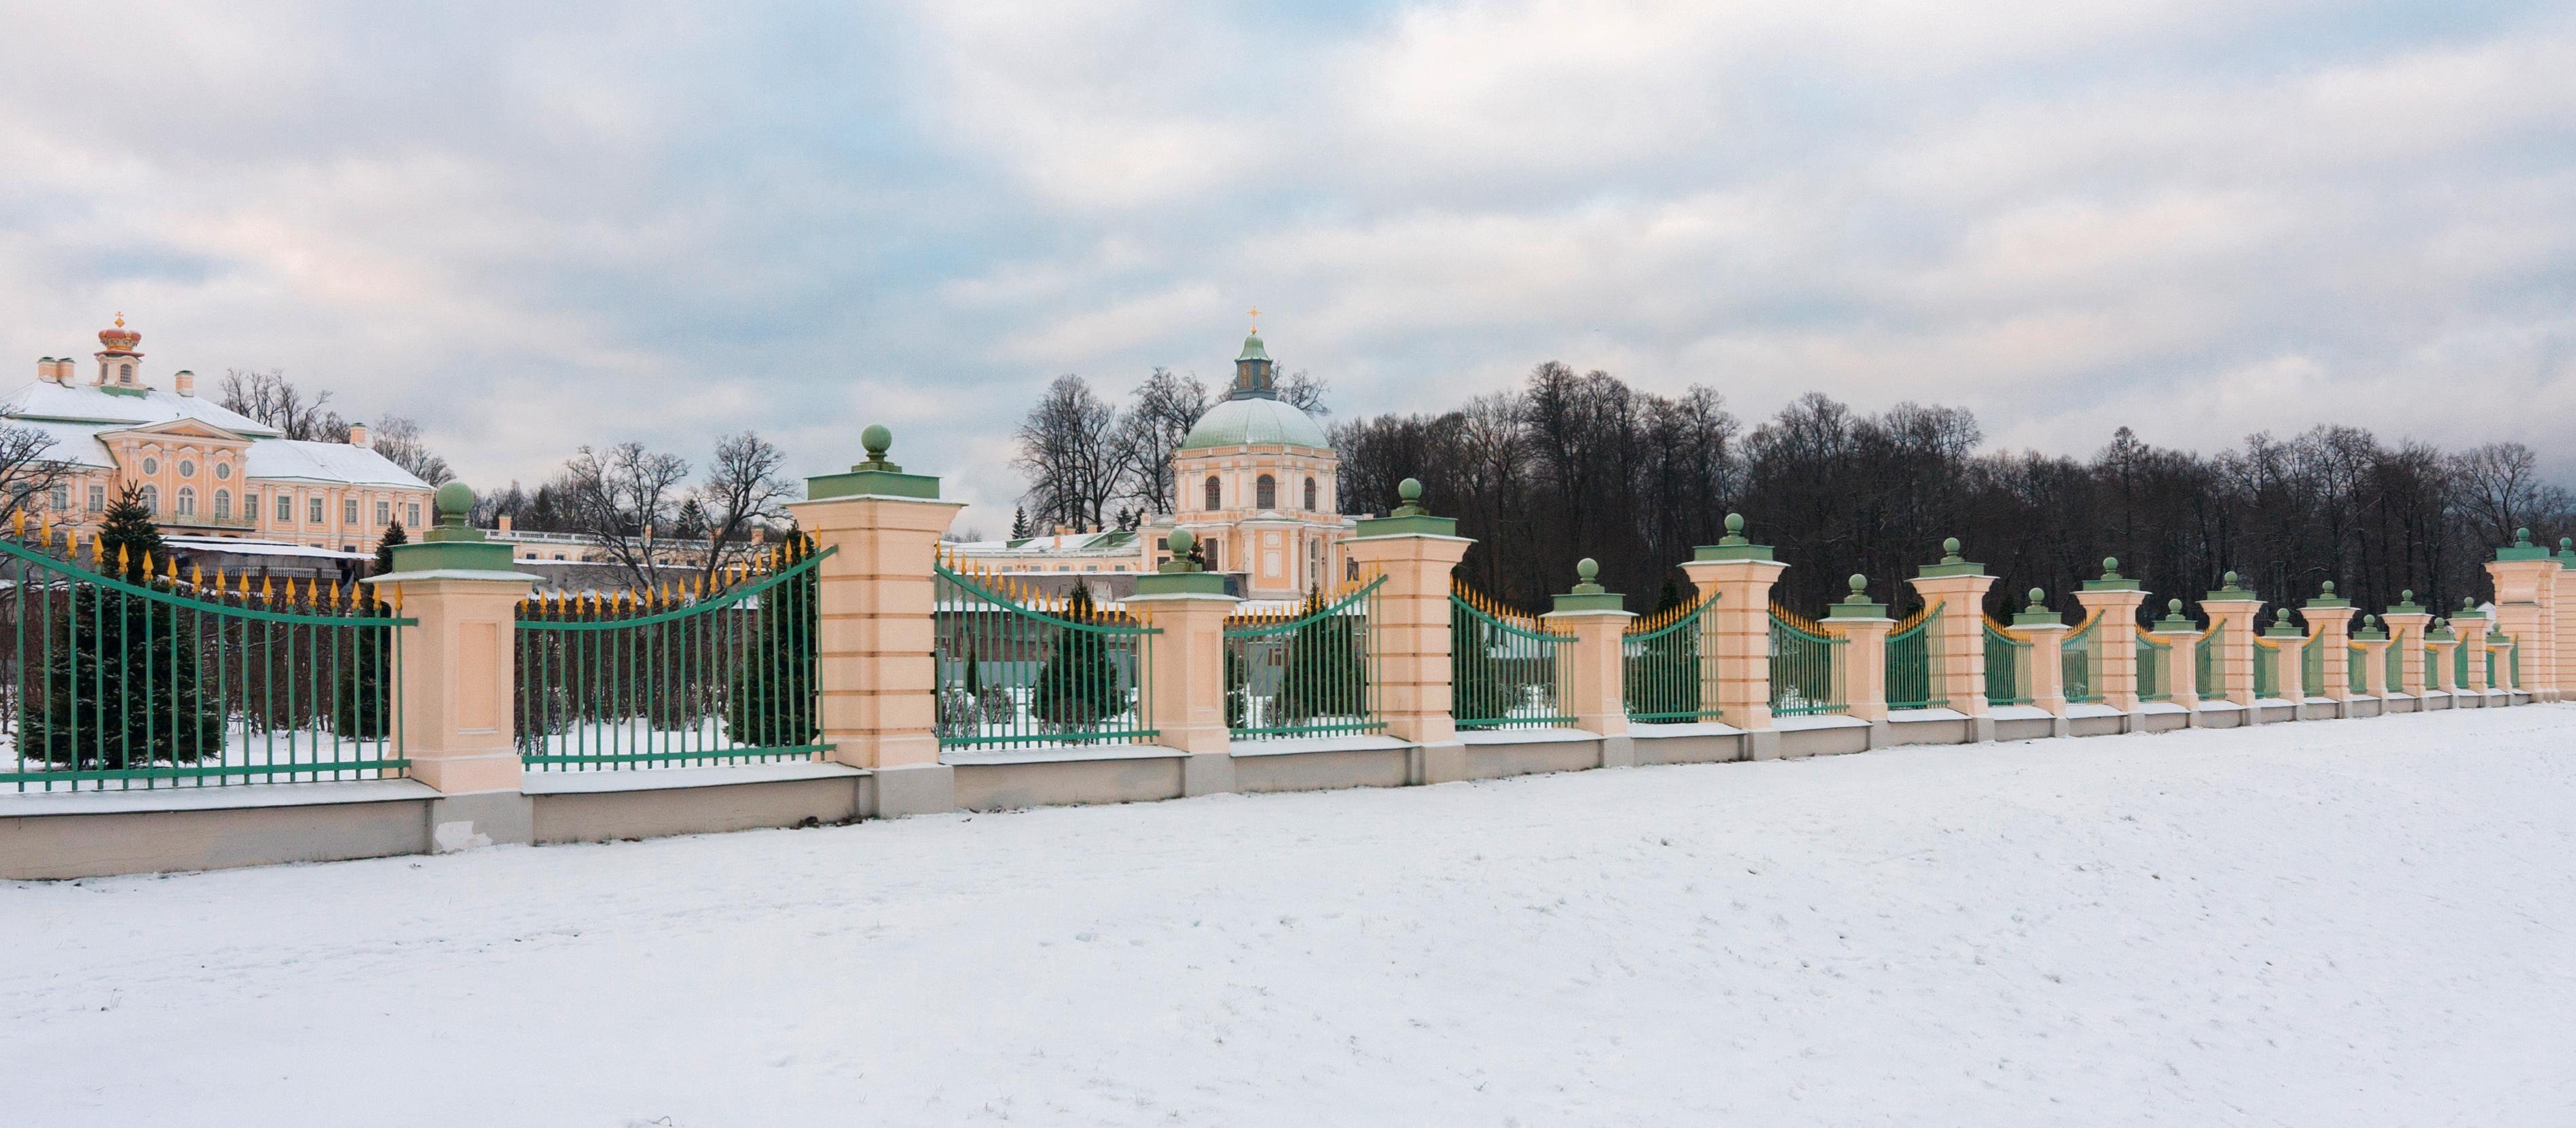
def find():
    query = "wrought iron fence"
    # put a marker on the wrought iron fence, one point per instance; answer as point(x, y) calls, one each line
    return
point(2267, 668)
point(2396, 671)
point(1307, 672)
point(2152, 656)
point(680, 675)
point(2312, 668)
point(1913, 679)
point(1018, 667)
point(1669, 677)
point(1803, 663)
point(2076, 663)
point(2207, 669)
point(2356, 668)
point(123, 674)
point(2005, 656)
point(1502, 665)
point(2459, 666)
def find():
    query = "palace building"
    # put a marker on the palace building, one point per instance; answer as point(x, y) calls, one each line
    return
point(1257, 482)
point(207, 473)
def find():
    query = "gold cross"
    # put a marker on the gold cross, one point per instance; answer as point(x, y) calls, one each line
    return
point(1255, 314)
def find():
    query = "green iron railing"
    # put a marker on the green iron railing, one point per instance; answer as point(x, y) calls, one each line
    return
point(2312, 668)
point(2356, 668)
point(2396, 671)
point(709, 673)
point(1018, 667)
point(2515, 661)
point(122, 675)
point(1804, 663)
point(1913, 679)
point(2432, 668)
point(1669, 679)
point(2491, 671)
point(2460, 667)
point(1502, 665)
point(2207, 671)
point(2005, 656)
point(2152, 656)
point(2267, 669)
point(1311, 671)
point(2076, 663)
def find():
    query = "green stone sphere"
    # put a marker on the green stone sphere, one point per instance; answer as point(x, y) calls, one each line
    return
point(1858, 583)
point(1950, 546)
point(877, 439)
point(455, 499)
point(2229, 580)
point(2329, 589)
point(2110, 563)
point(1734, 524)
point(2173, 607)
point(1410, 490)
point(1182, 541)
point(2036, 595)
point(1587, 568)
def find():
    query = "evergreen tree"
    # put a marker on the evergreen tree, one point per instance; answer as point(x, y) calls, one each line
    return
point(119, 688)
point(1019, 523)
point(1325, 674)
point(360, 710)
point(1079, 686)
point(772, 703)
point(692, 523)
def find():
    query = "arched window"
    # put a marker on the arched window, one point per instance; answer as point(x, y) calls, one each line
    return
point(1314, 553)
point(187, 502)
point(1265, 493)
point(223, 505)
point(1212, 494)
point(125, 373)
point(151, 499)
point(1310, 495)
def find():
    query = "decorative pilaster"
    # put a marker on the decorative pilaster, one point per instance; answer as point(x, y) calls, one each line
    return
point(2232, 610)
point(2526, 604)
point(2561, 641)
point(455, 667)
point(874, 671)
point(2329, 628)
point(1185, 689)
point(1860, 674)
point(1591, 670)
point(2046, 630)
point(2438, 668)
point(2407, 626)
point(1958, 641)
point(1416, 552)
point(2115, 599)
point(1737, 574)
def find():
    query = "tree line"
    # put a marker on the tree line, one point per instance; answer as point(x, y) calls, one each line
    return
point(1572, 465)
point(1091, 464)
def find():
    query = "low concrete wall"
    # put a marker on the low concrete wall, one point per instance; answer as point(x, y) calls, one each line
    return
point(1835, 741)
point(2271, 712)
point(2024, 728)
point(2163, 721)
point(2364, 707)
point(2093, 726)
point(41, 846)
point(1006, 787)
point(1689, 748)
point(1321, 771)
point(1945, 731)
point(1497, 759)
point(608, 816)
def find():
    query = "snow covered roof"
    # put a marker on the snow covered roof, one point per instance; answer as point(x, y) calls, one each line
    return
point(291, 460)
point(240, 547)
point(1119, 542)
point(86, 403)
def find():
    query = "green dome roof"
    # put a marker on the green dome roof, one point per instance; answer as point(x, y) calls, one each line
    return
point(1254, 421)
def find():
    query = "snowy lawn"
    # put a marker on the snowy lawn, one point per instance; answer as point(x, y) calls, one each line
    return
point(2351, 923)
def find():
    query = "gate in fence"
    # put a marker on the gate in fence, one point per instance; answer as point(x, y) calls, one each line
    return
point(687, 675)
point(1019, 667)
point(1308, 672)
point(124, 675)
point(1669, 680)
point(1502, 665)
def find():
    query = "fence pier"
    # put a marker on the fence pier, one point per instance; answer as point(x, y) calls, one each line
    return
point(2561, 639)
point(1591, 671)
point(2469, 629)
point(2373, 643)
point(1736, 575)
point(1860, 663)
point(2329, 631)
point(2408, 624)
point(1186, 686)
point(875, 677)
point(2232, 611)
point(2112, 602)
point(455, 674)
point(2181, 673)
point(1416, 552)
point(1958, 643)
point(2046, 630)
point(2526, 582)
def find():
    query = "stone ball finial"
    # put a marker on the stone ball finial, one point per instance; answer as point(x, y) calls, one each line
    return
point(1586, 568)
point(2038, 596)
point(1950, 546)
point(2110, 563)
point(2329, 589)
point(2228, 580)
point(878, 440)
point(1410, 490)
point(2369, 621)
point(2173, 607)
point(2406, 596)
point(2566, 544)
point(1734, 524)
point(2467, 604)
point(1182, 541)
point(455, 499)
point(1858, 583)
point(2522, 536)
point(2281, 616)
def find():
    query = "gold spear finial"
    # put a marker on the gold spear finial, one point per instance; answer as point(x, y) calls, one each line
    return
point(1255, 314)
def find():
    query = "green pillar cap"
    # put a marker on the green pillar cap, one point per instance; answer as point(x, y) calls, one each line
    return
point(1179, 576)
point(452, 545)
point(1587, 595)
point(2173, 620)
point(1857, 605)
point(1859, 585)
point(2522, 548)
point(2110, 567)
point(454, 504)
point(1733, 546)
point(2111, 579)
point(1409, 492)
point(2228, 590)
point(1182, 541)
point(1584, 572)
point(1950, 550)
point(2037, 613)
point(2038, 597)
point(1409, 516)
point(1952, 564)
point(875, 476)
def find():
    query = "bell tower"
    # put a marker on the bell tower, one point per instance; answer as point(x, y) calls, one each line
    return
point(119, 366)
point(1252, 368)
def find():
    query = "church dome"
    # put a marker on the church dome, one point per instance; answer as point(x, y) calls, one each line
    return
point(1255, 421)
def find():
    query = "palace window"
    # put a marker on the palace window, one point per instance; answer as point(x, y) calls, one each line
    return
point(384, 512)
point(59, 499)
point(411, 514)
point(125, 373)
point(285, 508)
point(1212, 493)
point(223, 505)
point(1314, 558)
point(1265, 493)
point(223, 471)
point(313, 513)
point(151, 499)
point(349, 511)
point(1310, 495)
point(187, 469)
point(97, 499)
point(187, 502)
point(151, 465)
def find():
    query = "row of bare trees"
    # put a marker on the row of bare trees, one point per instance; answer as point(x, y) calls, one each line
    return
point(275, 400)
point(1090, 464)
point(649, 518)
point(1573, 465)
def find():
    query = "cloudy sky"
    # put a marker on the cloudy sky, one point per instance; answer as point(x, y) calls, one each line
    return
point(537, 226)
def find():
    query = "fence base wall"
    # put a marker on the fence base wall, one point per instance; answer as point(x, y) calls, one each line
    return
point(610, 816)
point(1657, 748)
point(2025, 728)
point(1323, 770)
point(1066, 783)
point(1497, 759)
point(1821, 740)
point(47, 847)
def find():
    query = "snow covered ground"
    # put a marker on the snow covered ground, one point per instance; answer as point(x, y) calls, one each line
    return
point(2349, 924)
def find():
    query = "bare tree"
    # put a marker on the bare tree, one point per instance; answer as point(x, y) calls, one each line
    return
point(743, 491)
point(1167, 406)
point(1070, 452)
point(274, 400)
point(623, 497)
point(1305, 393)
point(28, 468)
point(2498, 488)
point(397, 438)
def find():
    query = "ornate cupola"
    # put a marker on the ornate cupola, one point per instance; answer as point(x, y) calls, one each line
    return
point(1252, 368)
point(119, 366)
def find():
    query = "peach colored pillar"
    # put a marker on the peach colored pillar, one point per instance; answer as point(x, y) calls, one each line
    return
point(2047, 631)
point(1591, 671)
point(2114, 600)
point(2407, 626)
point(2180, 637)
point(455, 665)
point(2469, 627)
point(1737, 574)
point(2289, 648)
point(1860, 670)
point(2233, 609)
point(1416, 552)
point(2561, 640)
point(2437, 672)
point(1185, 687)
point(2329, 629)
point(2374, 658)
point(2526, 604)
point(874, 670)
point(1958, 639)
